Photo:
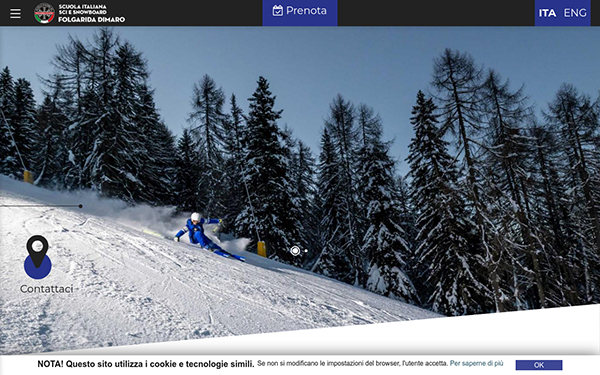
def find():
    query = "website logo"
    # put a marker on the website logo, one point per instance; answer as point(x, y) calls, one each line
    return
point(37, 264)
point(44, 13)
point(277, 11)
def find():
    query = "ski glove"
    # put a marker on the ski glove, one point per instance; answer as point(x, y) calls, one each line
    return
point(176, 239)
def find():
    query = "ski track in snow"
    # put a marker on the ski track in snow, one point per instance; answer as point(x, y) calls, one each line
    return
point(131, 287)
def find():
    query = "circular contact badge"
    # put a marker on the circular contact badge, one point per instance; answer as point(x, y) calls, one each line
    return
point(38, 273)
point(44, 13)
point(37, 264)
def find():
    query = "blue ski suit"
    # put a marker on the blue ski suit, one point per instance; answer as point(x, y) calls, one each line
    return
point(196, 233)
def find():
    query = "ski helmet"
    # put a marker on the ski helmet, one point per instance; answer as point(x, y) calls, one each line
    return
point(195, 216)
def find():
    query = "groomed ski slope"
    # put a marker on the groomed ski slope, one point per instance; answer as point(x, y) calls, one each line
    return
point(131, 287)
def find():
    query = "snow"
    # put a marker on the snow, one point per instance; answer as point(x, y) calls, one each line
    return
point(130, 177)
point(131, 287)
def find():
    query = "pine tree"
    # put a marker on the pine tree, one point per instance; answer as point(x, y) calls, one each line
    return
point(235, 130)
point(508, 184)
point(383, 246)
point(367, 120)
point(407, 222)
point(51, 152)
point(77, 75)
point(51, 143)
point(235, 197)
point(268, 179)
point(458, 81)
point(301, 169)
point(342, 128)
point(18, 125)
point(24, 124)
point(81, 140)
point(114, 140)
point(108, 174)
point(186, 176)
point(158, 170)
point(207, 120)
point(120, 153)
point(553, 208)
point(444, 231)
point(8, 153)
point(304, 181)
point(367, 123)
point(575, 118)
point(331, 260)
point(74, 62)
point(407, 211)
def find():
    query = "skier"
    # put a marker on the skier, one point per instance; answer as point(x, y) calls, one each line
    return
point(197, 236)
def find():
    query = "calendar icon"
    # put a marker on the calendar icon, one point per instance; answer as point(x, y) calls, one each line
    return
point(277, 11)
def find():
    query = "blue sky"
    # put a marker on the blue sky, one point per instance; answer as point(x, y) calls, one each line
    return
point(383, 67)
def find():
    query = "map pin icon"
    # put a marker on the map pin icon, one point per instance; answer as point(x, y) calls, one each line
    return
point(37, 256)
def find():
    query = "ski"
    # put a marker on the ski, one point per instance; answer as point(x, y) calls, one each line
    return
point(234, 256)
point(238, 257)
point(227, 254)
point(155, 234)
point(223, 253)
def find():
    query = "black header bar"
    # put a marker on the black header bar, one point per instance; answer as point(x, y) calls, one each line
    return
point(250, 13)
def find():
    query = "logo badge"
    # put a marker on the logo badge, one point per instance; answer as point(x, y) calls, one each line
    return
point(37, 264)
point(44, 13)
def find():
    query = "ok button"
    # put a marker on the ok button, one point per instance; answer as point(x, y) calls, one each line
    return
point(540, 365)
